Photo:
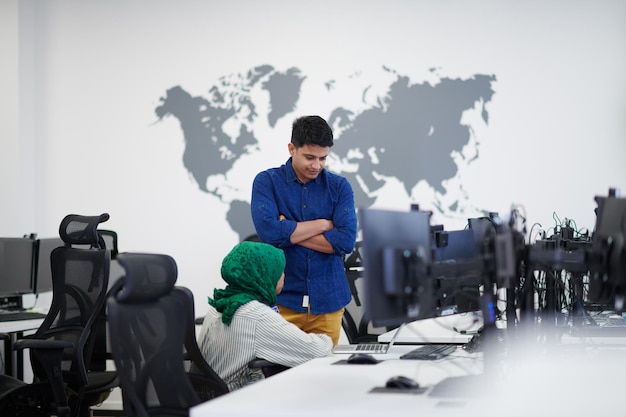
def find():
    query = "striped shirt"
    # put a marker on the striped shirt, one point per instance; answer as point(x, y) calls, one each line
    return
point(256, 331)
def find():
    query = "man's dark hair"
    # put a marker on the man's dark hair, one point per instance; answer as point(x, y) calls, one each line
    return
point(311, 130)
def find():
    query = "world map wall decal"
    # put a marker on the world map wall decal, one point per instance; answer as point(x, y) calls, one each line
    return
point(386, 128)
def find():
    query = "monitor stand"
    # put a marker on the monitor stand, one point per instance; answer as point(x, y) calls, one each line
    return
point(478, 384)
point(11, 303)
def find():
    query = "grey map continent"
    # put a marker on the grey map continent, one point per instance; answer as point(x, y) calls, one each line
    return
point(416, 132)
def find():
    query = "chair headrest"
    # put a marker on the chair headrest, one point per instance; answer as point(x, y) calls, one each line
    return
point(81, 230)
point(148, 276)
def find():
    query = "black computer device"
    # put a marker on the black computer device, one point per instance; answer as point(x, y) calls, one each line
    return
point(484, 229)
point(43, 269)
point(17, 269)
point(607, 258)
point(459, 292)
point(457, 244)
point(396, 250)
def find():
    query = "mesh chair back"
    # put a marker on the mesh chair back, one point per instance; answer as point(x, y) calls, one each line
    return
point(206, 382)
point(148, 325)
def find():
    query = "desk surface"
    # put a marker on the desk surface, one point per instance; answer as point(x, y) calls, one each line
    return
point(322, 387)
point(19, 325)
point(564, 384)
point(14, 363)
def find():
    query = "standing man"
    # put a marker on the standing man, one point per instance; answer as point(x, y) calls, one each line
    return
point(308, 212)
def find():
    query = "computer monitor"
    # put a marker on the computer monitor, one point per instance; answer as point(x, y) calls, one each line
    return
point(109, 238)
point(17, 266)
point(396, 249)
point(609, 245)
point(457, 244)
point(43, 275)
point(484, 229)
point(458, 292)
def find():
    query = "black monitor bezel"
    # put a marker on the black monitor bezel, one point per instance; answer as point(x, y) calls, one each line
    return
point(10, 284)
point(43, 272)
point(458, 293)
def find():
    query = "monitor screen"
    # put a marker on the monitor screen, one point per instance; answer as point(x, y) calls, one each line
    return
point(396, 248)
point(43, 276)
point(17, 266)
point(457, 244)
point(458, 292)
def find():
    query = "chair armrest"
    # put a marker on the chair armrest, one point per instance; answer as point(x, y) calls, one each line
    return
point(259, 363)
point(41, 344)
point(47, 355)
point(268, 368)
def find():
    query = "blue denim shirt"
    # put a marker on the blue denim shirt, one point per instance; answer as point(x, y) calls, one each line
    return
point(319, 275)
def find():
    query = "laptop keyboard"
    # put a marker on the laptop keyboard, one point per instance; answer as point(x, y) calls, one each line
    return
point(372, 347)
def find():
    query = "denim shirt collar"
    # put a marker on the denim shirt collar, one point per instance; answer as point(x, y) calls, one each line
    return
point(291, 174)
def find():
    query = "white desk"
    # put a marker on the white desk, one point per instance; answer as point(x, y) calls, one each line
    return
point(321, 388)
point(14, 363)
point(18, 326)
point(580, 381)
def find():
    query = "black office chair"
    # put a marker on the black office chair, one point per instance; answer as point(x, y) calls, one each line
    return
point(151, 327)
point(80, 273)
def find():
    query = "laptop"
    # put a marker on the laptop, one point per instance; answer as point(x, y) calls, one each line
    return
point(370, 347)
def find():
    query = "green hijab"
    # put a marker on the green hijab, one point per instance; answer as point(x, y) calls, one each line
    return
point(251, 270)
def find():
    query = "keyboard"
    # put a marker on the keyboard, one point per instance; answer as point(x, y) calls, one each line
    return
point(362, 348)
point(15, 315)
point(430, 352)
point(372, 348)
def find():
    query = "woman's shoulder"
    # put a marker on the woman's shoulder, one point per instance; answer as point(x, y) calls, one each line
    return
point(256, 309)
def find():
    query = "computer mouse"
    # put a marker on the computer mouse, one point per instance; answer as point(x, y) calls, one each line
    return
point(362, 358)
point(401, 382)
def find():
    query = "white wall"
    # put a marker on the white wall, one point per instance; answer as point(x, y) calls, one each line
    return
point(16, 180)
point(91, 74)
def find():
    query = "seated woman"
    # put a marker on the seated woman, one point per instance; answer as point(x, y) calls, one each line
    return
point(243, 322)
